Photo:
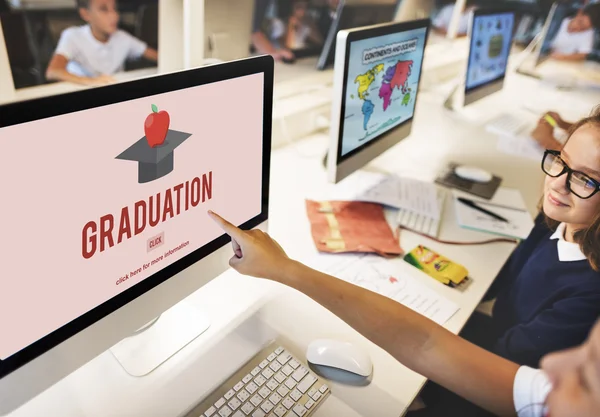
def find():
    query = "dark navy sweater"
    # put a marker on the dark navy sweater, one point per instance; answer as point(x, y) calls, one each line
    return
point(543, 305)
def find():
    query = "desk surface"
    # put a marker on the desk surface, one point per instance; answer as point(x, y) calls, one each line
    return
point(246, 313)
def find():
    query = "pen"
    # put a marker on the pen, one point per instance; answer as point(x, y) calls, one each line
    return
point(472, 204)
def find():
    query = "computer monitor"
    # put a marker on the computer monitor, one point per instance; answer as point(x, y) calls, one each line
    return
point(541, 46)
point(105, 217)
point(351, 14)
point(491, 33)
point(376, 84)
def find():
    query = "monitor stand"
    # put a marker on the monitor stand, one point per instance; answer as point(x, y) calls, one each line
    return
point(156, 342)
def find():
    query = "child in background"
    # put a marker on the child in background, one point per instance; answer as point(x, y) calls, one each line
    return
point(92, 53)
point(575, 38)
point(302, 30)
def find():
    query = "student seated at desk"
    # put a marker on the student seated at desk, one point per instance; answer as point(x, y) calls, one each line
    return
point(567, 386)
point(441, 22)
point(575, 38)
point(92, 53)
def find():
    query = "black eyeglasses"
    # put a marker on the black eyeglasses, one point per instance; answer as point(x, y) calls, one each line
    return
point(580, 184)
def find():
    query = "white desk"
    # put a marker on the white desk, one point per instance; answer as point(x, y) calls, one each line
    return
point(246, 313)
point(64, 87)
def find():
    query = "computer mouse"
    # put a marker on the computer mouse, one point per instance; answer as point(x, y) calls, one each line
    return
point(474, 174)
point(339, 355)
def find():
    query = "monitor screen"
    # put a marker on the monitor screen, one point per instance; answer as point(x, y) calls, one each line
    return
point(491, 39)
point(105, 199)
point(380, 89)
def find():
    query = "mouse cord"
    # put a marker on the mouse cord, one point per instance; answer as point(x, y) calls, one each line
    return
point(450, 242)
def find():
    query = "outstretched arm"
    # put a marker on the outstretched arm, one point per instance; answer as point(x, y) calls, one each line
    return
point(415, 341)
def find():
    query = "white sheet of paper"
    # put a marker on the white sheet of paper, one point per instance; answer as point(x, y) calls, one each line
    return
point(381, 276)
point(520, 146)
point(520, 222)
point(405, 193)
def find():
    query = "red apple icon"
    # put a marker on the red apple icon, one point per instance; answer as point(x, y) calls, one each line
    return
point(156, 127)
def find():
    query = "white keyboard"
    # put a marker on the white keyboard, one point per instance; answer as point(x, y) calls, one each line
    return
point(273, 384)
point(420, 223)
point(508, 124)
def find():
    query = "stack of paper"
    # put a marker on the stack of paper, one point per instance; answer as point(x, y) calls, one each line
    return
point(507, 203)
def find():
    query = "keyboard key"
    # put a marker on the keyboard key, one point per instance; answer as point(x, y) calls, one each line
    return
point(295, 395)
point(267, 406)
point(252, 388)
point(234, 404)
point(264, 392)
point(220, 403)
point(280, 377)
point(258, 413)
point(280, 411)
point(225, 411)
point(323, 389)
point(272, 385)
point(290, 383)
point(275, 366)
point(287, 370)
point(288, 403)
point(294, 364)
point(291, 414)
point(263, 364)
point(309, 404)
point(238, 414)
point(229, 394)
point(306, 383)
point(317, 396)
point(300, 410)
point(267, 373)
point(255, 371)
point(260, 380)
point(312, 392)
point(275, 398)
point(256, 400)
point(238, 386)
point(283, 358)
point(283, 391)
point(247, 408)
point(211, 411)
point(272, 357)
point(300, 373)
point(247, 379)
point(278, 350)
point(243, 395)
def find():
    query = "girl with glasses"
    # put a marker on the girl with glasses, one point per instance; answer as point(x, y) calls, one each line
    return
point(567, 386)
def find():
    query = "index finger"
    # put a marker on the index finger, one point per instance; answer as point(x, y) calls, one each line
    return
point(227, 227)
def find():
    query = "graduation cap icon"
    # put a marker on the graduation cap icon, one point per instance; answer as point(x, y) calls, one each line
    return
point(154, 162)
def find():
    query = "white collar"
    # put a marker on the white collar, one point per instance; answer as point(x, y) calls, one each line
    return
point(567, 251)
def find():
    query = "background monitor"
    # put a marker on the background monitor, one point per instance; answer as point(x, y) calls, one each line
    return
point(351, 14)
point(107, 232)
point(376, 83)
point(491, 33)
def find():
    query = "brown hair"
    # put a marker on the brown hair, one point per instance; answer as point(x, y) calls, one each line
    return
point(588, 238)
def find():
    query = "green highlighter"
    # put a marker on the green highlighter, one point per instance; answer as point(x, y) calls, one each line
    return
point(550, 120)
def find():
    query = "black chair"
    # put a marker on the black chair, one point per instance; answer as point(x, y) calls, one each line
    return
point(24, 64)
point(146, 27)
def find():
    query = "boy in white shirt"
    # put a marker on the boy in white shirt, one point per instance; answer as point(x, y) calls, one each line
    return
point(92, 53)
point(575, 38)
